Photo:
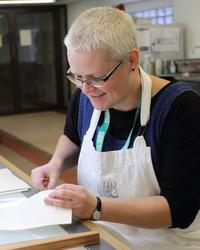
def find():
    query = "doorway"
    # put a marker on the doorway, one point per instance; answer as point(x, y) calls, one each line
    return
point(31, 58)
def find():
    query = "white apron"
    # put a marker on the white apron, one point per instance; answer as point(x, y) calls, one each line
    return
point(129, 173)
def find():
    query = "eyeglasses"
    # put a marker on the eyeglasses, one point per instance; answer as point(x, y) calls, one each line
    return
point(95, 82)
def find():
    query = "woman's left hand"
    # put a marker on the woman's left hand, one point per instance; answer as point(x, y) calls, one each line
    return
point(73, 196)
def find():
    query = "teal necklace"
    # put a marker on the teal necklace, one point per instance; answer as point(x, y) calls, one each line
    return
point(105, 125)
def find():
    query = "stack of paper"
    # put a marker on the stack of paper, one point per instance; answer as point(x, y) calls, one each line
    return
point(11, 199)
point(19, 213)
point(32, 213)
point(9, 183)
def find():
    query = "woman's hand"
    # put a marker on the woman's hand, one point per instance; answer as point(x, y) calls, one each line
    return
point(45, 177)
point(73, 196)
point(65, 156)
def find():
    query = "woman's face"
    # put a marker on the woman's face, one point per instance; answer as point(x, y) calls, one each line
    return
point(118, 91)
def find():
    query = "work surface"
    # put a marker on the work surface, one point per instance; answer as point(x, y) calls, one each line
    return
point(107, 241)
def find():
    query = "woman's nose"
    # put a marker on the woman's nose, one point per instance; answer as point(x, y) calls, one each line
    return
point(87, 88)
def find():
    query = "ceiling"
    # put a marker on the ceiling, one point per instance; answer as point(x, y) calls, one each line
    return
point(31, 2)
point(67, 1)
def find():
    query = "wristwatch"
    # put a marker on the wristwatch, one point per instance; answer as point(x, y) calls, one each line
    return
point(97, 212)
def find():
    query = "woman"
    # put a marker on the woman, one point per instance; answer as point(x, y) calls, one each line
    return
point(136, 139)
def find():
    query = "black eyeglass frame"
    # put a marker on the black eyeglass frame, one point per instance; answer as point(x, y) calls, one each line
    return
point(79, 82)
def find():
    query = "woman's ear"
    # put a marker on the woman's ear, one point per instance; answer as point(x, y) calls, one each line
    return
point(134, 58)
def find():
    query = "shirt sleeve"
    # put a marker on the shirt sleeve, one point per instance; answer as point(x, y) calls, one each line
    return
point(71, 121)
point(180, 159)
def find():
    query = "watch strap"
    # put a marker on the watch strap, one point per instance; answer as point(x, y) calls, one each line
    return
point(98, 207)
point(97, 212)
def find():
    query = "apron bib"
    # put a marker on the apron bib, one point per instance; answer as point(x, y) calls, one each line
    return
point(126, 173)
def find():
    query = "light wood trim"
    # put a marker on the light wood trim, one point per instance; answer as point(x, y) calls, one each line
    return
point(15, 169)
point(58, 242)
point(117, 244)
point(114, 242)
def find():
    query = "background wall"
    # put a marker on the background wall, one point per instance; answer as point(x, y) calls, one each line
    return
point(185, 12)
point(74, 9)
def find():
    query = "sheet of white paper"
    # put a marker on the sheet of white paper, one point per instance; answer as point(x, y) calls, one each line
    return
point(1, 41)
point(11, 183)
point(7, 237)
point(25, 37)
point(144, 38)
point(165, 39)
point(13, 236)
point(32, 213)
point(9, 200)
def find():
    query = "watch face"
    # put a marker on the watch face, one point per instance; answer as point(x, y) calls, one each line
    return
point(96, 215)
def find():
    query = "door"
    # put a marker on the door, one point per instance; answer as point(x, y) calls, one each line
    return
point(31, 68)
point(6, 88)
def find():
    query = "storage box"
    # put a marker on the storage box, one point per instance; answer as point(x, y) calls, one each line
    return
point(188, 66)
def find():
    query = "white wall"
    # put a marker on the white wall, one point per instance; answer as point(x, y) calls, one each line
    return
point(148, 4)
point(186, 12)
point(74, 9)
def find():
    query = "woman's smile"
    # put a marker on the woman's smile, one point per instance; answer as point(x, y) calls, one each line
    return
point(97, 96)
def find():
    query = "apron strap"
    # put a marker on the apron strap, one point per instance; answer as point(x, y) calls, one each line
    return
point(146, 84)
point(146, 97)
point(93, 123)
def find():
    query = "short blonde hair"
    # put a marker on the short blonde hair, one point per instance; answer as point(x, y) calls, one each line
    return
point(103, 28)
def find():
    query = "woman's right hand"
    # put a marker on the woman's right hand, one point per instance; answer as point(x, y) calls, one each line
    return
point(65, 155)
point(45, 176)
